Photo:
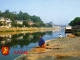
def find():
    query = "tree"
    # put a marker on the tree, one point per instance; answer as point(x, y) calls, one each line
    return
point(0, 13)
point(35, 18)
point(20, 15)
point(34, 25)
point(43, 24)
point(26, 16)
point(19, 25)
point(49, 24)
point(6, 14)
point(25, 23)
point(1, 24)
point(71, 23)
point(74, 22)
point(7, 11)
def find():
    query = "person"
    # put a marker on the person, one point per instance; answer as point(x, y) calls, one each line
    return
point(60, 36)
point(41, 42)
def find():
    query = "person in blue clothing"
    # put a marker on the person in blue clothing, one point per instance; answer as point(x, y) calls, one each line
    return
point(41, 42)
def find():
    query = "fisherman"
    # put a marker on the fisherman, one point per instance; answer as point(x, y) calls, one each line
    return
point(41, 42)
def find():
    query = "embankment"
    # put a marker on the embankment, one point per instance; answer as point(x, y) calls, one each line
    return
point(62, 49)
point(25, 30)
point(22, 29)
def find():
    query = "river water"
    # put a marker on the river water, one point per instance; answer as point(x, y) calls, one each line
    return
point(24, 42)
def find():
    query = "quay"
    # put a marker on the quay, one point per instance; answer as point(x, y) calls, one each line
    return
point(63, 49)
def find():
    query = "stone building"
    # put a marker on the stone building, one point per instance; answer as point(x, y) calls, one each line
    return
point(5, 22)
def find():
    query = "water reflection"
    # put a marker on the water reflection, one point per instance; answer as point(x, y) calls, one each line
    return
point(49, 33)
point(20, 39)
point(5, 39)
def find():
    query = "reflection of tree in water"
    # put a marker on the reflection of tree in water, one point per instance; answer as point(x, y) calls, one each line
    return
point(26, 36)
point(36, 36)
point(14, 37)
point(49, 33)
point(18, 35)
point(26, 39)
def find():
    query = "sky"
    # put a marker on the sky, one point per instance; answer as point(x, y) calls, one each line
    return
point(60, 12)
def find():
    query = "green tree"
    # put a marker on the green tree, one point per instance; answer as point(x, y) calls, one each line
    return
point(35, 18)
point(26, 16)
point(74, 22)
point(0, 13)
point(7, 11)
point(71, 23)
point(25, 23)
point(19, 25)
point(1, 24)
point(34, 25)
point(20, 15)
point(49, 25)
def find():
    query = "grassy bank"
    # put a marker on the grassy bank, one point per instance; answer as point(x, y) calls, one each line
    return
point(22, 29)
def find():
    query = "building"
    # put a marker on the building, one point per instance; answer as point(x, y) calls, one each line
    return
point(19, 21)
point(5, 22)
point(30, 22)
point(68, 29)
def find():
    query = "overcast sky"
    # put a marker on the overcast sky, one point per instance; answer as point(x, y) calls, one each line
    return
point(57, 11)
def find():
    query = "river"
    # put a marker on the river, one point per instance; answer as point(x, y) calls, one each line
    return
point(24, 42)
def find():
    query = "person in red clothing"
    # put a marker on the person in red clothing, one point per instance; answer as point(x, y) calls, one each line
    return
point(41, 42)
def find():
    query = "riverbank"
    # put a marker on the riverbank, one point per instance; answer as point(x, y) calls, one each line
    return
point(27, 29)
point(63, 49)
point(4, 31)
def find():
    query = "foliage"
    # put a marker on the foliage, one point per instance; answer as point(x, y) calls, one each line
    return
point(39, 24)
point(22, 16)
point(25, 23)
point(49, 24)
point(19, 25)
point(1, 24)
point(74, 22)
point(35, 18)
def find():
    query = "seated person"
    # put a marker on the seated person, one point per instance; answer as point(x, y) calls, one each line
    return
point(60, 36)
point(41, 42)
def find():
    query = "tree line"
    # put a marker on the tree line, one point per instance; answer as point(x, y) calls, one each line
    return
point(75, 22)
point(76, 26)
point(23, 16)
